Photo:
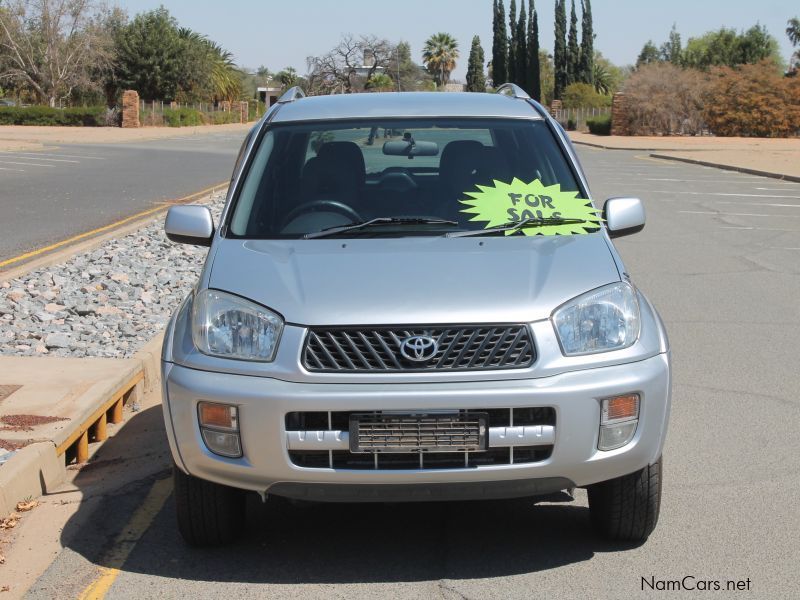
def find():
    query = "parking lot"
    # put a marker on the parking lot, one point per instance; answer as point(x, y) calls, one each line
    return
point(65, 190)
point(719, 258)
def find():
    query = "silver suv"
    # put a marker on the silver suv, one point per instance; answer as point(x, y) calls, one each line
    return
point(412, 297)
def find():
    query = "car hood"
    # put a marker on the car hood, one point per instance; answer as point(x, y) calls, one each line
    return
point(413, 280)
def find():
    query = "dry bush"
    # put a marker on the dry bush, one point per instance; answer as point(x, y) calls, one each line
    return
point(752, 100)
point(662, 99)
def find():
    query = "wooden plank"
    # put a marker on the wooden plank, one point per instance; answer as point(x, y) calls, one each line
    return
point(84, 427)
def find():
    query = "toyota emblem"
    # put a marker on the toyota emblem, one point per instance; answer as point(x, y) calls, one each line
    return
point(419, 348)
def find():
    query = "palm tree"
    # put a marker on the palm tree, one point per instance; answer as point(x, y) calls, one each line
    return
point(439, 55)
point(793, 30)
point(602, 79)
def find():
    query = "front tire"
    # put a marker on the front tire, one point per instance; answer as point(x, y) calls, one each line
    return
point(208, 514)
point(626, 508)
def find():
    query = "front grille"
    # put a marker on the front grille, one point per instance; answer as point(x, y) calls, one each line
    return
point(459, 348)
point(344, 459)
point(388, 433)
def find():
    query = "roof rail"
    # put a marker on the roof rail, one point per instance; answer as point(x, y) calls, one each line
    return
point(292, 94)
point(512, 89)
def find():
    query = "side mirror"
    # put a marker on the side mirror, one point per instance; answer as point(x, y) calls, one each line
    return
point(190, 224)
point(623, 216)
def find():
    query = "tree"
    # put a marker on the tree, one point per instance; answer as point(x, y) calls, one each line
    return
point(672, 51)
point(534, 85)
point(560, 50)
point(664, 99)
point(586, 63)
point(343, 68)
point(573, 51)
point(793, 30)
point(583, 95)
point(499, 45)
point(648, 55)
point(287, 77)
point(547, 75)
point(728, 48)
point(150, 56)
point(440, 54)
point(380, 82)
point(476, 80)
point(512, 42)
point(752, 100)
point(522, 48)
point(51, 46)
point(608, 78)
point(408, 75)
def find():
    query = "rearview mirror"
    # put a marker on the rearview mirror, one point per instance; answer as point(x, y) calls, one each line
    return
point(190, 224)
point(410, 148)
point(623, 216)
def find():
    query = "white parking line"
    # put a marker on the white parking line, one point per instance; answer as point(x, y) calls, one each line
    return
point(7, 169)
point(686, 193)
point(757, 204)
point(723, 214)
point(64, 155)
point(47, 159)
point(754, 228)
point(11, 162)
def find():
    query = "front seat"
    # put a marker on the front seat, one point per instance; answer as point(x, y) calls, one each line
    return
point(336, 173)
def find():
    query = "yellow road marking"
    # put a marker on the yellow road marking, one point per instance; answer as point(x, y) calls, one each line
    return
point(77, 238)
point(127, 539)
point(650, 158)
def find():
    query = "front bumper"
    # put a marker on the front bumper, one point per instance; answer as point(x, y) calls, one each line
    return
point(266, 466)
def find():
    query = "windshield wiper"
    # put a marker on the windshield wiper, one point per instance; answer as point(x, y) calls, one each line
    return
point(329, 231)
point(517, 225)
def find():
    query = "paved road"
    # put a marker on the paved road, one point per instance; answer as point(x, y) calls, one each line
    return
point(719, 257)
point(55, 193)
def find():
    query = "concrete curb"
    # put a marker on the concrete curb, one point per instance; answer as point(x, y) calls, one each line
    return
point(37, 468)
point(602, 147)
point(746, 170)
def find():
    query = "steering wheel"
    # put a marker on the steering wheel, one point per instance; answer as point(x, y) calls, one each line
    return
point(331, 205)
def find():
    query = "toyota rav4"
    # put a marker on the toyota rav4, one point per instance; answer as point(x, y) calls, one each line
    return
point(413, 297)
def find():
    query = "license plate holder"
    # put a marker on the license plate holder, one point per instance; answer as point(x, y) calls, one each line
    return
point(418, 432)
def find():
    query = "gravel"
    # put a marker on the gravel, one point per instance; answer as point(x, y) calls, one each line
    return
point(105, 303)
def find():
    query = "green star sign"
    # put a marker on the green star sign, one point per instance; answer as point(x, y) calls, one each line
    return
point(512, 202)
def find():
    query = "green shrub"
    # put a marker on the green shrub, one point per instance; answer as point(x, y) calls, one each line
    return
point(221, 117)
point(583, 95)
point(92, 116)
point(599, 125)
point(182, 117)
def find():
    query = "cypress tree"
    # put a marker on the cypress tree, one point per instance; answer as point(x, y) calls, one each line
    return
point(512, 41)
point(534, 87)
point(573, 52)
point(586, 70)
point(522, 49)
point(499, 46)
point(476, 81)
point(560, 50)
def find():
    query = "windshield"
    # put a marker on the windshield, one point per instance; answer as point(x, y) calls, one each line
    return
point(401, 177)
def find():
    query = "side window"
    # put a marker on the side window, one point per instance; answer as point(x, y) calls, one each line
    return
point(240, 157)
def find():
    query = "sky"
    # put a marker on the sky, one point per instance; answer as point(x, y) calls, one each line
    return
point(277, 33)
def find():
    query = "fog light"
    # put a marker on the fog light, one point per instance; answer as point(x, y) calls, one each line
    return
point(224, 444)
point(619, 417)
point(616, 436)
point(219, 425)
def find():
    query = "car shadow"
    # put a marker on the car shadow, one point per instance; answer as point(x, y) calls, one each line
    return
point(314, 543)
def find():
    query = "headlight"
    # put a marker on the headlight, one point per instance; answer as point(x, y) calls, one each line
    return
point(231, 327)
point(601, 320)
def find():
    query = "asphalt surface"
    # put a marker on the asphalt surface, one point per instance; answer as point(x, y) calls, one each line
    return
point(719, 258)
point(61, 191)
